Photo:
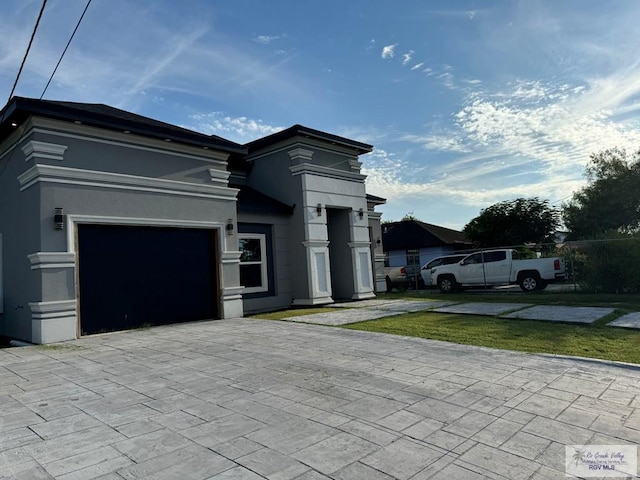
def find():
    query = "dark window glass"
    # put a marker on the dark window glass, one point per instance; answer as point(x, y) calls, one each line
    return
point(435, 263)
point(476, 258)
point(250, 248)
point(495, 256)
point(251, 275)
point(450, 260)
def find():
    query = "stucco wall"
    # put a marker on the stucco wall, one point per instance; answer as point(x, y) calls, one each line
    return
point(271, 175)
point(281, 252)
point(315, 177)
point(100, 177)
point(20, 228)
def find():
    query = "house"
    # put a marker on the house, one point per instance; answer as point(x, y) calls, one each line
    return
point(411, 242)
point(110, 220)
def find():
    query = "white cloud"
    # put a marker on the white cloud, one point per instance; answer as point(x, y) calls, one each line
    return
point(532, 139)
point(447, 79)
point(556, 125)
point(369, 134)
point(417, 66)
point(383, 170)
point(266, 39)
point(442, 143)
point(406, 57)
point(388, 51)
point(237, 129)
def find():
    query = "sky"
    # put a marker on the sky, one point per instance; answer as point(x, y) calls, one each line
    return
point(466, 102)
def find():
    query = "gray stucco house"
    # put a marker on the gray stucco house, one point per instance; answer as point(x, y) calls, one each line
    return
point(110, 220)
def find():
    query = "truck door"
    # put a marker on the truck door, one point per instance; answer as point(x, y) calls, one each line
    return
point(497, 267)
point(471, 270)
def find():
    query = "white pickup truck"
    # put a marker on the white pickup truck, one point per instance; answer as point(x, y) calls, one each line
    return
point(498, 267)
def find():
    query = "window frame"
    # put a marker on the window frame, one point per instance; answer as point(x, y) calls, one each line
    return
point(264, 273)
point(412, 256)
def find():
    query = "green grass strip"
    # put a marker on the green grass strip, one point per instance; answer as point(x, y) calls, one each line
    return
point(593, 341)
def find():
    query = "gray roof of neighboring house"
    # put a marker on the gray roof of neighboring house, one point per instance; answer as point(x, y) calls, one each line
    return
point(413, 234)
point(300, 130)
point(96, 114)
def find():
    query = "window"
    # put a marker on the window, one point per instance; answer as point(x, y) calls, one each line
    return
point(486, 257)
point(253, 262)
point(413, 257)
point(497, 256)
point(475, 258)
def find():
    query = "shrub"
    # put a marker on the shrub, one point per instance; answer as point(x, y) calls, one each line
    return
point(608, 265)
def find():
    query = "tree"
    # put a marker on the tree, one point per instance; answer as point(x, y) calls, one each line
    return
point(611, 200)
point(409, 217)
point(514, 222)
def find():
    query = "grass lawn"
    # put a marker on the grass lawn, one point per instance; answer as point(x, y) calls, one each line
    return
point(594, 341)
point(625, 302)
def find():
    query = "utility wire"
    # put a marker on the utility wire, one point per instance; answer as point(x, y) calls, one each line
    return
point(26, 54)
point(65, 48)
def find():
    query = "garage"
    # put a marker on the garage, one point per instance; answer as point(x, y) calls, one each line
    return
point(137, 276)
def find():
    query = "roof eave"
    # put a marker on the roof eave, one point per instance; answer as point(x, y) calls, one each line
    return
point(300, 130)
point(30, 107)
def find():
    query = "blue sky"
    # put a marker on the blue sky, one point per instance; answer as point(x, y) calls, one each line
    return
point(467, 102)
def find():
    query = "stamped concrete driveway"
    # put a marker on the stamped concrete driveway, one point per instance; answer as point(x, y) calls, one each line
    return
point(252, 399)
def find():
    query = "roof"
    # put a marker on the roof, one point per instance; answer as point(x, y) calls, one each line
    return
point(99, 115)
point(376, 200)
point(300, 130)
point(413, 234)
point(253, 201)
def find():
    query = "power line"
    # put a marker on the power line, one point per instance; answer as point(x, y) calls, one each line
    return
point(65, 48)
point(26, 54)
point(562, 199)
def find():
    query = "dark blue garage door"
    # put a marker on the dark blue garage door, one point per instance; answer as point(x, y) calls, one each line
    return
point(135, 276)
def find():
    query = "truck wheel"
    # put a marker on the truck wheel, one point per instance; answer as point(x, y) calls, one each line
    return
point(530, 282)
point(447, 283)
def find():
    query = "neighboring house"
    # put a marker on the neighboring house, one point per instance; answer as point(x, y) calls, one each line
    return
point(412, 242)
point(110, 220)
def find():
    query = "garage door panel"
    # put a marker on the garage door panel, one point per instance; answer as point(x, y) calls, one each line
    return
point(134, 276)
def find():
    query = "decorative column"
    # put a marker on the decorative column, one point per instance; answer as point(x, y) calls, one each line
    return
point(53, 320)
point(231, 301)
point(317, 253)
point(363, 281)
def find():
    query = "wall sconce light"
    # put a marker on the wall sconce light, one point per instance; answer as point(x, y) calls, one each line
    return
point(319, 209)
point(58, 219)
point(229, 226)
point(378, 241)
point(361, 213)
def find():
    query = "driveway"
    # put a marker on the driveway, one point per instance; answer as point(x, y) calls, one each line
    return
point(252, 399)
